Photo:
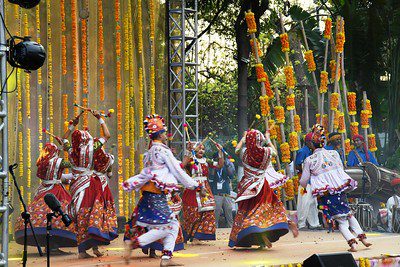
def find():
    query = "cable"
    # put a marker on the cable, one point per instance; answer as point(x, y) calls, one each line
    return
point(4, 23)
point(5, 82)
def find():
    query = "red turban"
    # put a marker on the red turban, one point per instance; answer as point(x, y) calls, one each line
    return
point(358, 136)
point(308, 137)
point(395, 182)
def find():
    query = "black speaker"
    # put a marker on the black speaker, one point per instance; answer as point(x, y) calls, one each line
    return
point(330, 260)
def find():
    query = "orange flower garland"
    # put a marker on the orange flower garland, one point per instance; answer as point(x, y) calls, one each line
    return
point(372, 143)
point(63, 38)
point(347, 146)
point(293, 141)
point(336, 119)
point(272, 129)
point(328, 29)
point(340, 42)
point(85, 118)
point(273, 160)
point(251, 22)
point(84, 50)
point(260, 54)
point(260, 73)
point(323, 88)
point(268, 89)
point(265, 109)
point(297, 124)
point(310, 60)
point(100, 47)
point(354, 128)
point(40, 118)
point(118, 45)
point(285, 42)
point(334, 101)
point(277, 192)
point(295, 184)
point(364, 119)
point(369, 108)
point(290, 102)
point(318, 118)
point(74, 34)
point(351, 103)
point(342, 124)
point(141, 112)
point(289, 190)
point(278, 133)
point(279, 113)
point(21, 153)
point(332, 66)
point(290, 82)
point(285, 150)
point(325, 121)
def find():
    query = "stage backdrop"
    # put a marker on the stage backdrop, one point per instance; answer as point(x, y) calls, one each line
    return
point(101, 54)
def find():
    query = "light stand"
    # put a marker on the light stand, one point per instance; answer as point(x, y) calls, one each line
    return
point(49, 217)
point(363, 180)
point(27, 219)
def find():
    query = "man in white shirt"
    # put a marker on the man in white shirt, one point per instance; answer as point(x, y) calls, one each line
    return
point(393, 202)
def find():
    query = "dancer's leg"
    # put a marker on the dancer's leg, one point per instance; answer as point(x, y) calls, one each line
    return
point(355, 226)
point(344, 229)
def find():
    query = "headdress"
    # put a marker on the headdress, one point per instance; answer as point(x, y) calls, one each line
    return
point(334, 136)
point(154, 124)
point(358, 136)
point(318, 136)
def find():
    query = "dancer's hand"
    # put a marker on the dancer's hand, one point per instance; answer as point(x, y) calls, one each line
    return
point(189, 146)
point(203, 192)
point(96, 114)
point(59, 140)
point(267, 135)
point(75, 121)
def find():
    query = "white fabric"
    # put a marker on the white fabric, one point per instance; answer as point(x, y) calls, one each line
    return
point(389, 205)
point(167, 233)
point(163, 169)
point(325, 170)
point(345, 223)
point(274, 178)
point(307, 209)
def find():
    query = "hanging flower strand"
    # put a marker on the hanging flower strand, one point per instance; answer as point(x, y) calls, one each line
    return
point(251, 22)
point(310, 60)
point(328, 29)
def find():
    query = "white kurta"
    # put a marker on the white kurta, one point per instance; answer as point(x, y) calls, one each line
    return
point(389, 205)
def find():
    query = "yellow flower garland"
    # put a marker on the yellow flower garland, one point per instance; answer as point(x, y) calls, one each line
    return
point(265, 108)
point(297, 124)
point(310, 60)
point(364, 119)
point(372, 143)
point(328, 29)
point(323, 88)
point(279, 113)
point(334, 101)
point(351, 103)
point(285, 42)
point(260, 54)
point(290, 102)
point(285, 152)
point(251, 22)
point(369, 108)
point(354, 128)
point(289, 190)
point(272, 129)
point(325, 121)
point(342, 124)
point(339, 42)
point(293, 141)
point(347, 146)
point(290, 82)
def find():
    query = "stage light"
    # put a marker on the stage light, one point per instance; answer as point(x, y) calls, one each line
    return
point(25, 3)
point(27, 55)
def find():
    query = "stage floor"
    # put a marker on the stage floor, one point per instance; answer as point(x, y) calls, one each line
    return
point(217, 253)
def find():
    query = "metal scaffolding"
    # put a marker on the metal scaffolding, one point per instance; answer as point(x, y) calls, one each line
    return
point(4, 204)
point(182, 72)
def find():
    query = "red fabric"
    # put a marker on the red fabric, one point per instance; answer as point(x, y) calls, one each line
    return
point(358, 136)
point(48, 152)
point(255, 152)
point(189, 196)
point(79, 138)
point(308, 137)
point(395, 182)
point(266, 195)
point(102, 160)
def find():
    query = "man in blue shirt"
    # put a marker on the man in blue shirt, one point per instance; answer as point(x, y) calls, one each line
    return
point(360, 154)
point(307, 210)
point(220, 182)
point(334, 143)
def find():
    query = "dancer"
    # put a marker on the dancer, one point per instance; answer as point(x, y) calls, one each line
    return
point(91, 209)
point(199, 213)
point(261, 217)
point(307, 206)
point(50, 167)
point(161, 174)
point(324, 169)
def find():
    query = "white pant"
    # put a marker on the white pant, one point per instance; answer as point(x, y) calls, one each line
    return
point(345, 223)
point(168, 233)
point(307, 209)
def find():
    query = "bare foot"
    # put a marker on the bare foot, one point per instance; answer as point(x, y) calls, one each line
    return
point(169, 262)
point(293, 228)
point(97, 252)
point(352, 249)
point(153, 254)
point(84, 255)
point(366, 243)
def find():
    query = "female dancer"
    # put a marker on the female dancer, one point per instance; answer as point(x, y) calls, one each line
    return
point(198, 213)
point(50, 167)
point(261, 217)
point(95, 225)
point(329, 182)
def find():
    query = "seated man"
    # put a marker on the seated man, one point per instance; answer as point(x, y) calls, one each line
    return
point(360, 154)
point(393, 203)
point(335, 143)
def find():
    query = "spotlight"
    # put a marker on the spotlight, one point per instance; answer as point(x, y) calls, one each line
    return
point(25, 3)
point(27, 55)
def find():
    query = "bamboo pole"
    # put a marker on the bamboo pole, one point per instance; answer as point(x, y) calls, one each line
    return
point(365, 130)
point(314, 80)
point(323, 94)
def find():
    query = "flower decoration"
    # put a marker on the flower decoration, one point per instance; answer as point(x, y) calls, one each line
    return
point(328, 29)
point(310, 60)
point(364, 119)
point(251, 22)
point(260, 54)
point(295, 184)
point(293, 141)
point(369, 108)
point(323, 88)
point(279, 113)
point(325, 121)
point(285, 150)
point(297, 124)
point(289, 190)
point(290, 102)
point(272, 129)
point(290, 82)
point(332, 66)
point(347, 146)
point(285, 42)
point(372, 143)
point(340, 42)
point(265, 108)
point(354, 128)
point(342, 124)
point(351, 103)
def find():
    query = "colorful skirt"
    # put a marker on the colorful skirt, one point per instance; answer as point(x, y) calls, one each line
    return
point(257, 218)
point(334, 206)
point(61, 236)
point(95, 219)
point(195, 224)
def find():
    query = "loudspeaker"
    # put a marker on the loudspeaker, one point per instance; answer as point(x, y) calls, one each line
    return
point(330, 260)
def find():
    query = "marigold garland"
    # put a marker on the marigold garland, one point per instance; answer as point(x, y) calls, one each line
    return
point(332, 66)
point(118, 45)
point(285, 42)
point(140, 25)
point(328, 29)
point(260, 54)
point(272, 129)
point(28, 95)
point(369, 108)
point(293, 141)
point(21, 153)
point(38, 30)
point(268, 90)
point(372, 143)
point(290, 82)
point(290, 102)
point(141, 118)
point(297, 124)
point(84, 49)
point(351, 103)
point(65, 106)
point(289, 190)
point(325, 121)
point(260, 73)
point(318, 118)
point(334, 101)
point(49, 62)
point(347, 146)
point(354, 128)
point(251, 22)
point(273, 160)
point(336, 119)
point(265, 109)
point(295, 184)
point(100, 47)
point(119, 114)
point(310, 60)
point(85, 118)
point(152, 19)
point(74, 34)
point(339, 42)
point(278, 133)
point(127, 115)
point(285, 150)
point(323, 88)
point(152, 90)
point(364, 119)
point(40, 117)
point(279, 113)
point(28, 156)
point(342, 124)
